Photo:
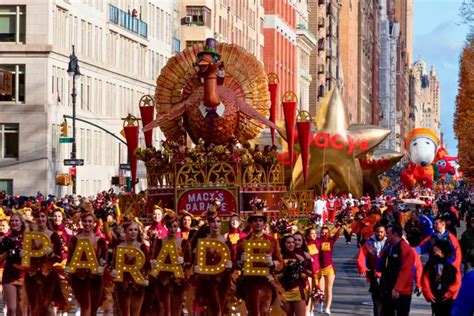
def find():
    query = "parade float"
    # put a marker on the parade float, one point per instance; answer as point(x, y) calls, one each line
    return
point(212, 101)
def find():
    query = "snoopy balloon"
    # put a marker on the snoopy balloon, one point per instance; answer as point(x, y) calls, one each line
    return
point(422, 145)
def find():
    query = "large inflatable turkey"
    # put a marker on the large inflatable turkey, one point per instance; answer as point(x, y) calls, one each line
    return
point(217, 93)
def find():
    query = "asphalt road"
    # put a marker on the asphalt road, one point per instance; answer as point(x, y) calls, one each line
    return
point(350, 295)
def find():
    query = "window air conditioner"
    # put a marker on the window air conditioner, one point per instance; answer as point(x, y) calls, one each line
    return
point(188, 19)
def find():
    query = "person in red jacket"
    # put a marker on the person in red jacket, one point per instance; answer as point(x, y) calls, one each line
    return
point(441, 280)
point(396, 281)
point(369, 264)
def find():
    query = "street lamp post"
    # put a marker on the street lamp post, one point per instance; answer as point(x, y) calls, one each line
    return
point(73, 71)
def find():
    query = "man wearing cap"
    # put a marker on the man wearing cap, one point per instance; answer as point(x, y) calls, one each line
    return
point(441, 233)
point(259, 292)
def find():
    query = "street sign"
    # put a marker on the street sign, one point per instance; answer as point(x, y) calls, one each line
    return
point(74, 162)
point(65, 140)
point(124, 166)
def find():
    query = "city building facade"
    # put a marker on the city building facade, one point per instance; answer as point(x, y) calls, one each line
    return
point(348, 39)
point(306, 43)
point(424, 98)
point(325, 60)
point(401, 11)
point(121, 46)
point(389, 34)
point(279, 53)
point(229, 21)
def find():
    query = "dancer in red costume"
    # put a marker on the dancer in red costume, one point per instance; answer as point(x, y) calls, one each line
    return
point(86, 286)
point(327, 272)
point(169, 289)
point(156, 230)
point(153, 232)
point(41, 279)
point(294, 282)
point(212, 290)
point(129, 294)
point(12, 276)
point(259, 292)
point(235, 234)
point(187, 228)
point(59, 228)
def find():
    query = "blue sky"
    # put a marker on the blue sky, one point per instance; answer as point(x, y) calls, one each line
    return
point(438, 39)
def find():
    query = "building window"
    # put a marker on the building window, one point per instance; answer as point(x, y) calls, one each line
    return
point(200, 15)
point(12, 23)
point(190, 44)
point(9, 140)
point(12, 83)
point(6, 185)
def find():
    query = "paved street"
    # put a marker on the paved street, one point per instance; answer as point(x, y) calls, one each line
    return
point(351, 296)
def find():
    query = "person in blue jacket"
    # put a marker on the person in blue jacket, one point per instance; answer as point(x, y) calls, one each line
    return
point(464, 304)
point(426, 222)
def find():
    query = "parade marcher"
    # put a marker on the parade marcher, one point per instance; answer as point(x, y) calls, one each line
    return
point(170, 290)
point(332, 206)
point(396, 280)
point(464, 304)
point(41, 279)
point(369, 262)
point(441, 280)
point(156, 229)
point(129, 294)
point(301, 248)
point(259, 292)
point(86, 286)
point(467, 246)
point(426, 245)
point(212, 291)
point(187, 228)
point(327, 270)
point(235, 234)
point(320, 208)
point(293, 277)
point(12, 278)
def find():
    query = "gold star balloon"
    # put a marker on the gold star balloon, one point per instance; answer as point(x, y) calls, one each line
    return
point(336, 147)
point(375, 163)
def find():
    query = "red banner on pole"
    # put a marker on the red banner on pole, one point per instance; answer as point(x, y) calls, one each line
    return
point(289, 104)
point(147, 111)
point(131, 135)
point(273, 84)
point(304, 137)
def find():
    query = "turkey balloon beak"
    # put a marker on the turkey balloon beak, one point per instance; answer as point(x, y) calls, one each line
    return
point(203, 66)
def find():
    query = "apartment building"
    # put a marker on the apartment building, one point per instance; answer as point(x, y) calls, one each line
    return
point(121, 46)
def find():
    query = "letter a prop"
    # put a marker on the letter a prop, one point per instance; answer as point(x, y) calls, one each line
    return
point(84, 257)
point(256, 251)
point(133, 269)
point(168, 249)
point(28, 240)
point(219, 246)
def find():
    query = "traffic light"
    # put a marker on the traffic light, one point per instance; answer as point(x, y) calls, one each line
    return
point(64, 129)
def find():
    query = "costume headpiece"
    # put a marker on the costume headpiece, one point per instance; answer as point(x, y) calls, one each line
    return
point(259, 206)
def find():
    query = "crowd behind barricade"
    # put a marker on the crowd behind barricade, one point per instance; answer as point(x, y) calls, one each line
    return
point(392, 230)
